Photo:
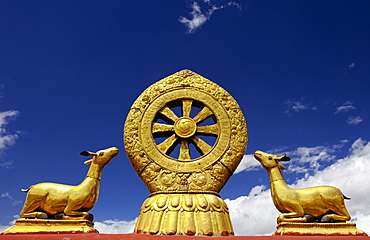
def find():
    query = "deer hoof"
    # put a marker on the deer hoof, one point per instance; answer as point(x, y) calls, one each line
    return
point(59, 216)
point(42, 216)
point(309, 218)
point(326, 219)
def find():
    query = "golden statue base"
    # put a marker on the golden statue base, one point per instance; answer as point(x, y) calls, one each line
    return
point(318, 229)
point(37, 226)
point(191, 214)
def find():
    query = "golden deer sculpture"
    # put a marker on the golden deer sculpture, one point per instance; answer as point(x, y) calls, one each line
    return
point(53, 200)
point(325, 203)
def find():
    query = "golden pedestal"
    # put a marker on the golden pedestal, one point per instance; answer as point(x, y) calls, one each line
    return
point(37, 226)
point(201, 214)
point(318, 229)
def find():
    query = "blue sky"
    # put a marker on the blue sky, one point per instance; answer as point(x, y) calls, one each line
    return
point(70, 70)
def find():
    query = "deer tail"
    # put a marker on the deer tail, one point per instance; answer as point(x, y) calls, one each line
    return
point(26, 190)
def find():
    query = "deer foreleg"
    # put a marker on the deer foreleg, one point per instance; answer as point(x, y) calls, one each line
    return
point(75, 215)
point(297, 216)
point(41, 215)
point(336, 217)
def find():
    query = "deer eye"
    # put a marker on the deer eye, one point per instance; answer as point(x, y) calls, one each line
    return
point(101, 154)
point(270, 158)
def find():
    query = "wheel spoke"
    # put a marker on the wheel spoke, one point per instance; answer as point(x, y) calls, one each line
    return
point(209, 129)
point(201, 145)
point(173, 130)
point(159, 127)
point(202, 115)
point(167, 112)
point(184, 150)
point(167, 144)
point(186, 107)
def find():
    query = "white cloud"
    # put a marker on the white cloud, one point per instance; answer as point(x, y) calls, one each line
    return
point(7, 139)
point(6, 195)
point(297, 106)
point(312, 156)
point(115, 226)
point(255, 214)
point(4, 116)
point(347, 106)
point(305, 159)
point(349, 67)
point(352, 65)
point(199, 17)
point(354, 120)
point(248, 163)
point(197, 20)
point(6, 164)
point(3, 227)
point(16, 202)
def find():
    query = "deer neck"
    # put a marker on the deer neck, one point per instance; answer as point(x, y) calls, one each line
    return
point(88, 190)
point(95, 171)
point(278, 188)
point(276, 177)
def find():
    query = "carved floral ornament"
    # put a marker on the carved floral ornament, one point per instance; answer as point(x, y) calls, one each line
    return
point(185, 133)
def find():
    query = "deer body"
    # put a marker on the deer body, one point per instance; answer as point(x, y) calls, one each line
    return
point(294, 204)
point(71, 201)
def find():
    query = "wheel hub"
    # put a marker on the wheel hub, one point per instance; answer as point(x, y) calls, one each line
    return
point(185, 127)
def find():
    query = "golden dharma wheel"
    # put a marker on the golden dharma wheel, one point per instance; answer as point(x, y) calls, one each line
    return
point(184, 135)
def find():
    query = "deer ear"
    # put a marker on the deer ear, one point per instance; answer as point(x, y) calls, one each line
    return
point(87, 154)
point(88, 162)
point(285, 159)
point(282, 167)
